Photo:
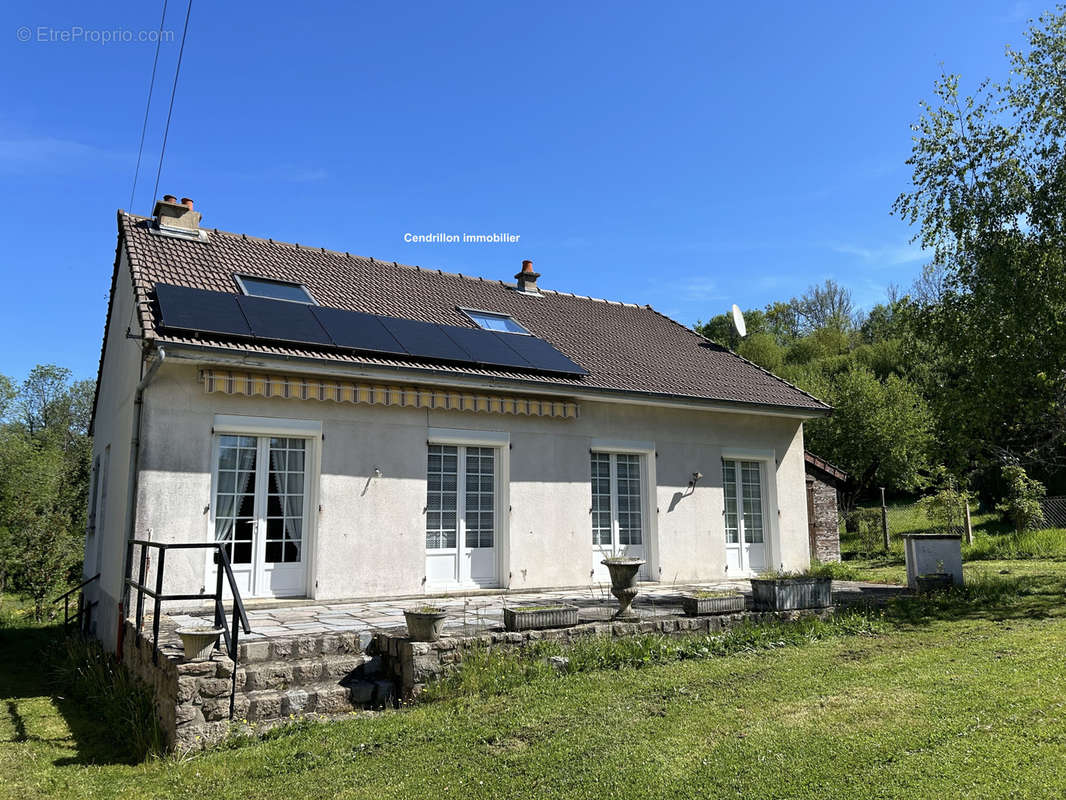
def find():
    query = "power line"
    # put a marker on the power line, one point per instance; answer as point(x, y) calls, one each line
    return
point(148, 107)
point(173, 91)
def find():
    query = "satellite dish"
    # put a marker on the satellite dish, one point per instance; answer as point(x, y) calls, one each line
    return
point(738, 321)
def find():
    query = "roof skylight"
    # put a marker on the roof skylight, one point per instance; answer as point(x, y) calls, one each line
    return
point(275, 290)
point(491, 321)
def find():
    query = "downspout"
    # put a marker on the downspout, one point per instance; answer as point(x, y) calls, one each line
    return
point(131, 493)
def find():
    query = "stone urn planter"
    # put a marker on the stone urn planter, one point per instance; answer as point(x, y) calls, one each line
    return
point(791, 594)
point(537, 617)
point(935, 582)
point(199, 643)
point(425, 623)
point(624, 584)
point(700, 604)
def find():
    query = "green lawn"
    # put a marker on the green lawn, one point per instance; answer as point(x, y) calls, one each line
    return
point(959, 699)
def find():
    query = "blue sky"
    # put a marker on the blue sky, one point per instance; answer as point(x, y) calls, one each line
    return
point(686, 155)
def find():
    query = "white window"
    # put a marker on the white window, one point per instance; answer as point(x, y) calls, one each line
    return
point(260, 514)
point(492, 321)
point(745, 534)
point(275, 290)
point(618, 514)
point(460, 500)
point(465, 475)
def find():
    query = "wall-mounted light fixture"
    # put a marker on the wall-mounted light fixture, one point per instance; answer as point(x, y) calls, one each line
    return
point(696, 478)
point(377, 471)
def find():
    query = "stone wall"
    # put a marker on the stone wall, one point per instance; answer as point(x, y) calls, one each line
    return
point(826, 521)
point(414, 664)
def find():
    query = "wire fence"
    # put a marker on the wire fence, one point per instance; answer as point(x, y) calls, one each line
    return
point(1054, 509)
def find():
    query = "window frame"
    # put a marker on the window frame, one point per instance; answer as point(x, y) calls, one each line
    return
point(269, 427)
point(771, 509)
point(501, 442)
point(649, 495)
point(472, 312)
point(310, 301)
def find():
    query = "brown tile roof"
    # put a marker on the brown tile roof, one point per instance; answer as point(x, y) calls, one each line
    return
point(814, 463)
point(624, 347)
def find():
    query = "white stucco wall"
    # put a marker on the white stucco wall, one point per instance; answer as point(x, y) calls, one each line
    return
point(368, 539)
point(113, 426)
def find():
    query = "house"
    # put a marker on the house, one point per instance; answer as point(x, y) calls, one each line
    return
point(823, 503)
point(353, 428)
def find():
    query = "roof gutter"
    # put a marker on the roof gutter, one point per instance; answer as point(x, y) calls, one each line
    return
point(204, 354)
point(131, 490)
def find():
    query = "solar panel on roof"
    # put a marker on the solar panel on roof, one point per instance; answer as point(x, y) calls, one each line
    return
point(486, 347)
point(424, 339)
point(200, 311)
point(282, 321)
point(541, 355)
point(238, 316)
point(358, 331)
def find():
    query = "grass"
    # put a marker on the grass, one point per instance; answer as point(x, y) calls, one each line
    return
point(994, 543)
point(958, 694)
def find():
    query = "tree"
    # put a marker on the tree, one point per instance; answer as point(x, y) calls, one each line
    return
point(760, 348)
point(880, 432)
point(1021, 501)
point(45, 454)
point(827, 306)
point(987, 198)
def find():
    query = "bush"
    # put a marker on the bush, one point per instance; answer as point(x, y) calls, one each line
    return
point(866, 523)
point(1021, 503)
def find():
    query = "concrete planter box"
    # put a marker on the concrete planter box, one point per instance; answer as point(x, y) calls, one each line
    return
point(935, 582)
point(521, 619)
point(424, 624)
point(199, 643)
point(791, 594)
point(702, 606)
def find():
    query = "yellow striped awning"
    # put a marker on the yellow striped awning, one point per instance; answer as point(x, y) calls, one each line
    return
point(303, 388)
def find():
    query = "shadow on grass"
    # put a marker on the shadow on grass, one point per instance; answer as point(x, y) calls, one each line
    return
point(987, 596)
point(28, 672)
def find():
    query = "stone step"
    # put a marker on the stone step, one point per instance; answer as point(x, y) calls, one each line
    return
point(298, 672)
point(303, 646)
point(325, 698)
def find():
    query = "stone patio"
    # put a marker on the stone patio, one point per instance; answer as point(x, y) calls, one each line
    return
point(473, 614)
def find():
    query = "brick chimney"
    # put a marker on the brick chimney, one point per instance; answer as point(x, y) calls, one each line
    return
point(177, 218)
point(527, 279)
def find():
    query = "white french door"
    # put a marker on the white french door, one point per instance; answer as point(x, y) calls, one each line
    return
point(617, 510)
point(461, 516)
point(745, 528)
point(260, 512)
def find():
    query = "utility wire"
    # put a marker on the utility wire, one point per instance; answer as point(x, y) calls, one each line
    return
point(148, 107)
point(173, 91)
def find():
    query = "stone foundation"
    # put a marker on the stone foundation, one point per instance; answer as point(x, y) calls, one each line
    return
point(412, 665)
point(327, 676)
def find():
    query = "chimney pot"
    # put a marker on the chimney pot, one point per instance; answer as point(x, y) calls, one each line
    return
point(527, 278)
point(181, 219)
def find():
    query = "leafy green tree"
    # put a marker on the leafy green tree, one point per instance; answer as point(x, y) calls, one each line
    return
point(45, 454)
point(760, 348)
point(880, 431)
point(988, 197)
point(1021, 501)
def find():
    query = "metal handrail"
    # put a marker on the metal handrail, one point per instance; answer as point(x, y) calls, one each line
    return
point(230, 633)
point(82, 608)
